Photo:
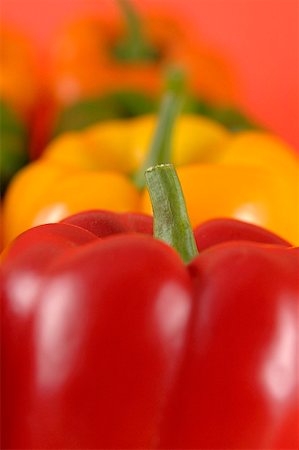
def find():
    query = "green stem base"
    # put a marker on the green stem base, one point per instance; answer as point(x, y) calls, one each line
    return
point(171, 221)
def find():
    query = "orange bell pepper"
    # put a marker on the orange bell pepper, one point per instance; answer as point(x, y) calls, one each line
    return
point(251, 175)
point(92, 57)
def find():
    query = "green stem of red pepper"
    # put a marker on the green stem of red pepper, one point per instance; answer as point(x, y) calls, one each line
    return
point(134, 47)
point(161, 145)
point(171, 221)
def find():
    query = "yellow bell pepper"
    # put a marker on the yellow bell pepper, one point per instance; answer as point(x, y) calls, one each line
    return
point(250, 175)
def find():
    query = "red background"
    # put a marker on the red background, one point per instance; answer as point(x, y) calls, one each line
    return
point(260, 37)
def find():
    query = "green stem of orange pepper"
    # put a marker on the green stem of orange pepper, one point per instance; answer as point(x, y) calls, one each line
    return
point(161, 145)
point(135, 46)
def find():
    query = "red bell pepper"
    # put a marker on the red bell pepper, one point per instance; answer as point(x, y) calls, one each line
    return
point(111, 341)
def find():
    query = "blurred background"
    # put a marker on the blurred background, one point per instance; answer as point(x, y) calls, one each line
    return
point(259, 38)
point(68, 66)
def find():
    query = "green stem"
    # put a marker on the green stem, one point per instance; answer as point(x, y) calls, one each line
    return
point(135, 46)
point(171, 220)
point(161, 145)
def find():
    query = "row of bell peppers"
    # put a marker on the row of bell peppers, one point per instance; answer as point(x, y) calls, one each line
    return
point(113, 339)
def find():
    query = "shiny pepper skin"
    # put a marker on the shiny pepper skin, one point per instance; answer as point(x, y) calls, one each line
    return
point(109, 341)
